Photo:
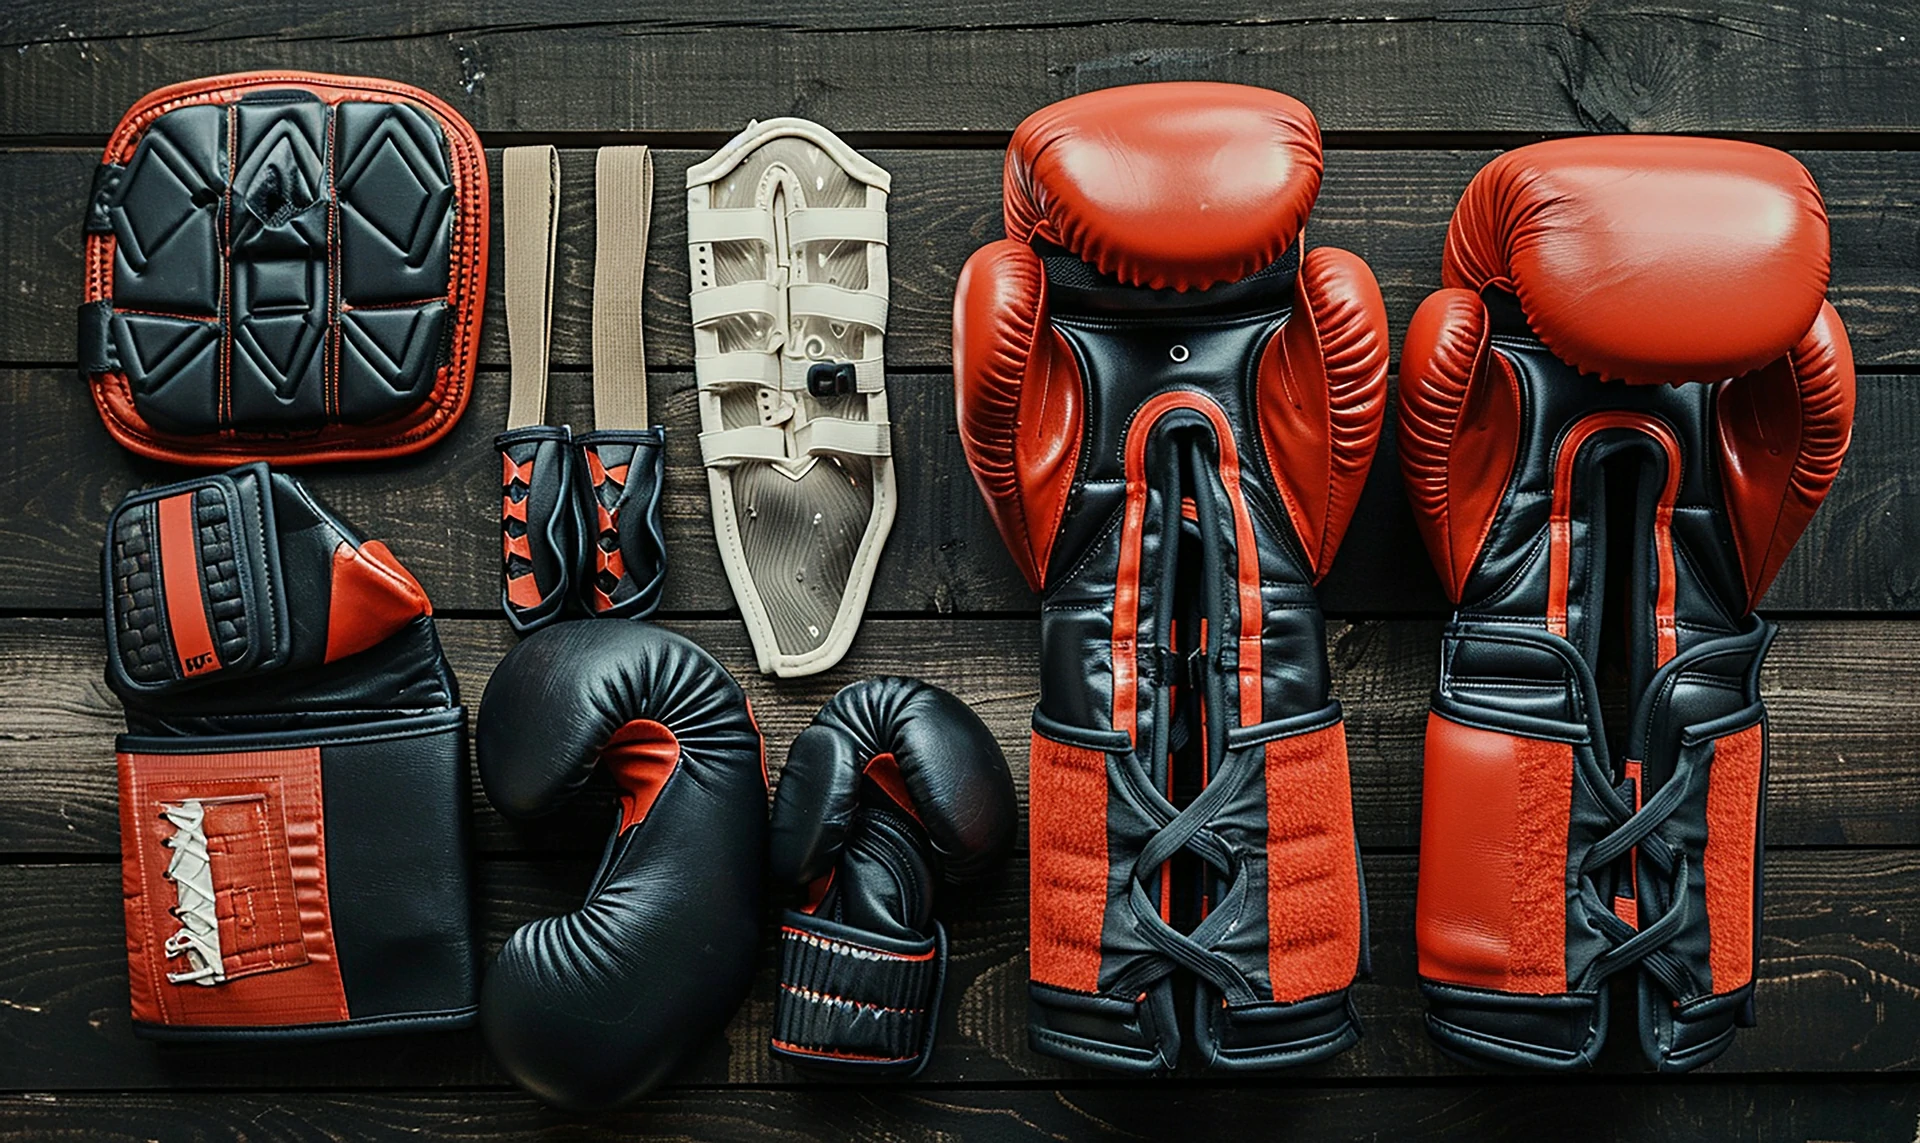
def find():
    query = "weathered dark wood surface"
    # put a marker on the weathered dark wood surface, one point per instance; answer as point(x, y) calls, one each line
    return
point(1414, 96)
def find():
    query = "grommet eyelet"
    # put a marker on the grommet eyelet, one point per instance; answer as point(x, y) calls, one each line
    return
point(1178, 353)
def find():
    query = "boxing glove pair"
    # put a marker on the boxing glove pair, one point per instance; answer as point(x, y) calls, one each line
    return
point(895, 783)
point(1620, 414)
point(294, 735)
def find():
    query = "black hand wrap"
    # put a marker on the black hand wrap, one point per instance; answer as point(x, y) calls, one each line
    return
point(621, 476)
point(539, 524)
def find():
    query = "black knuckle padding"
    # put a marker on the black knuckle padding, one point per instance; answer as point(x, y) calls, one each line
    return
point(593, 1008)
point(863, 962)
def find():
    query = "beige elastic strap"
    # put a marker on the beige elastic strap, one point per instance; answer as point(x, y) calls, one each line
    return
point(530, 178)
point(623, 190)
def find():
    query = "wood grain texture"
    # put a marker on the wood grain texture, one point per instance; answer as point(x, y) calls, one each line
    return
point(1390, 207)
point(1838, 991)
point(1711, 1112)
point(1415, 95)
point(1845, 766)
point(1395, 66)
point(439, 510)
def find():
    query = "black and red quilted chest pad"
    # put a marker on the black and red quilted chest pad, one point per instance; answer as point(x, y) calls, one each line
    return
point(288, 267)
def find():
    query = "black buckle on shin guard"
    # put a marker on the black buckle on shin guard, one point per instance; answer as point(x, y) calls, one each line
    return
point(856, 1002)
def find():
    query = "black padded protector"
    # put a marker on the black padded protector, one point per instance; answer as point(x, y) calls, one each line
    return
point(283, 265)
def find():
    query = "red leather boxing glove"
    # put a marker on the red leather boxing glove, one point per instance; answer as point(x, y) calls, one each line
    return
point(1615, 421)
point(1170, 412)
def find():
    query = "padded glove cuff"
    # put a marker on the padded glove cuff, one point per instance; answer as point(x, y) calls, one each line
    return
point(854, 1001)
point(259, 894)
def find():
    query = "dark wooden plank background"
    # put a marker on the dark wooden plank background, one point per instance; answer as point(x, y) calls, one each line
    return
point(1413, 96)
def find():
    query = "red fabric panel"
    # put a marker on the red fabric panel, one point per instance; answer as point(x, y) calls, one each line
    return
point(266, 841)
point(1733, 841)
point(1492, 908)
point(1067, 833)
point(1313, 876)
point(641, 756)
point(180, 582)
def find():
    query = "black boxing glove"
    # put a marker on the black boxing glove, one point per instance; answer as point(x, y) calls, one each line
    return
point(294, 737)
point(591, 1009)
point(896, 785)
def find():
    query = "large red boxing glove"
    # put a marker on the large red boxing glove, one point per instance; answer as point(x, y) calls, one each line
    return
point(1171, 413)
point(1554, 853)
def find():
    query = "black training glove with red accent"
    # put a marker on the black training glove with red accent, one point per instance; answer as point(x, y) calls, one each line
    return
point(896, 786)
point(293, 781)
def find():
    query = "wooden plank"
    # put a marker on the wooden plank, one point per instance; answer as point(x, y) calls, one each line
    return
point(1713, 1112)
point(1390, 207)
point(1839, 988)
point(1404, 65)
point(1845, 747)
point(440, 510)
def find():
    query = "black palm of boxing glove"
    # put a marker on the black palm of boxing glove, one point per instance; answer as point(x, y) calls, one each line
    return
point(895, 787)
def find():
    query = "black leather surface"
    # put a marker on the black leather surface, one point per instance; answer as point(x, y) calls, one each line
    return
point(540, 511)
point(279, 264)
point(1130, 345)
point(1502, 671)
point(622, 516)
point(593, 1008)
point(831, 820)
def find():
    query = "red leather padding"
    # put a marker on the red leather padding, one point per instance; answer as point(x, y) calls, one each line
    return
point(373, 595)
point(1067, 840)
point(1323, 395)
point(1731, 856)
point(1459, 430)
point(183, 587)
point(1648, 258)
point(266, 840)
point(640, 756)
point(1492, 904)
point(1313, 875)
point(1783, 432)
point(1017, 394)
point(1166, 185)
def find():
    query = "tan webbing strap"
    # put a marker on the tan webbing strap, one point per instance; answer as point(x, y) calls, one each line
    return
point(530, 182)
point(623, 192)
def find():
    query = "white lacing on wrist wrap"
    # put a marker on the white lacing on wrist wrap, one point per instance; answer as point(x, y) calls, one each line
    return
point(191, 872)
